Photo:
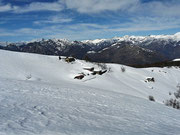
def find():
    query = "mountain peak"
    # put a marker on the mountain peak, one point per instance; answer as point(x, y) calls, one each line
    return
point(177, 34)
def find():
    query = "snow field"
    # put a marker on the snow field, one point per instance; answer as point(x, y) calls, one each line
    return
point(39, 96)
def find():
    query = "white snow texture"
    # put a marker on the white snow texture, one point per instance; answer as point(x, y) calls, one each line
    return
point(39, 96)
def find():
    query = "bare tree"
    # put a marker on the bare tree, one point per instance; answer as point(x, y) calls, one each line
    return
point(175, 102)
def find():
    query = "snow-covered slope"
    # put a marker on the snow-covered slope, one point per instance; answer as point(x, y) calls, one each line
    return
point(39, 95)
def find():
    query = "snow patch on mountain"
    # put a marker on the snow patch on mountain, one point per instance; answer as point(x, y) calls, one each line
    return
point(96, 41)
point(137, 39)
point(176, 59)
point(3, 43)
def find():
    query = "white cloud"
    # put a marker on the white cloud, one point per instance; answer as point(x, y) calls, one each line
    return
point(34, 6)
point(81, 31)
point(132, 7)
point(149, 16)
point(165, 9)
point(6, 7)
point(54, 20)
point(40, 6)
point(96, 6)
point(57, 19)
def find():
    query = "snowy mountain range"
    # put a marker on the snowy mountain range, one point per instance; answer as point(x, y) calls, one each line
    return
point(39, 96)
point(138, 39)
point(139, 49)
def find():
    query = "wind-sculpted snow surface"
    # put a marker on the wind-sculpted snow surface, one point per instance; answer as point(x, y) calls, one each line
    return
point(38, 96)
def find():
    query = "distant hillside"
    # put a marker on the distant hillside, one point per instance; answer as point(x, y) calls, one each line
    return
point(159, 64)
point(128, 50)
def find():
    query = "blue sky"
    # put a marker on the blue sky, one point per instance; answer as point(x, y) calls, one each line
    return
point(25, 20)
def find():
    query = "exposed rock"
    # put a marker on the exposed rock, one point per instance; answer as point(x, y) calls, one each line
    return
point(80, 77)
point(69, 59)
point(89, 69)
point(150, 79)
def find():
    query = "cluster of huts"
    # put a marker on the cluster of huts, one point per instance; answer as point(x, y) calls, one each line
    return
point(68, 59)
point(92, 72)
point(82, 75)
point(150, 79)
